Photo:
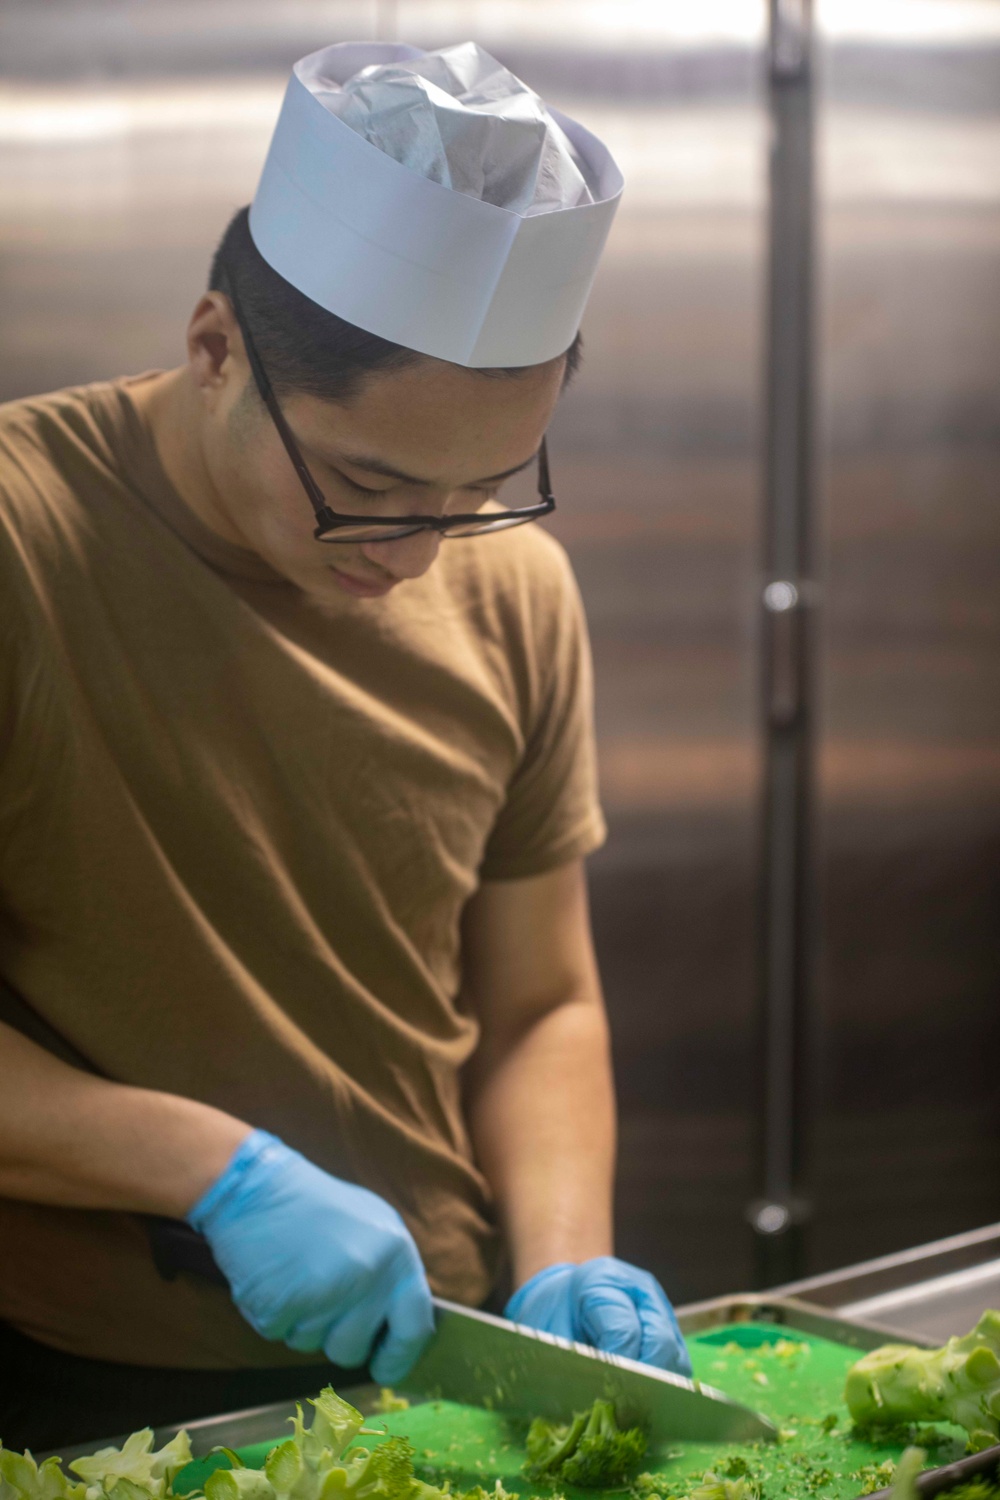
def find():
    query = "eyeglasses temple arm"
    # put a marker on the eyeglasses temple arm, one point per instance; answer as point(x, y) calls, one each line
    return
point(544, 482)
point(316, 497)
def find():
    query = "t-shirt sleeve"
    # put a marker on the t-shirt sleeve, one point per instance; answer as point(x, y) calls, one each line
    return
point(552, 812)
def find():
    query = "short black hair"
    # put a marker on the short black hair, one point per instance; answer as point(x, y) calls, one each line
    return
point(303, 347)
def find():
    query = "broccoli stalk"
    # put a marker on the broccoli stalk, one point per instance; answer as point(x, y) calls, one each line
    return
point(958, 1383)
point(904, 1480)
point(591, 1451)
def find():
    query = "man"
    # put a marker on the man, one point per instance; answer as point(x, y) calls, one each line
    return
point(295, 800)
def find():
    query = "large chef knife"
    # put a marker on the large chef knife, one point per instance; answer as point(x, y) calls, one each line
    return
point(485, 1361)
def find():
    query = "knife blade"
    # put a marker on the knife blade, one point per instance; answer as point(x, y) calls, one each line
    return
point(480, 1360)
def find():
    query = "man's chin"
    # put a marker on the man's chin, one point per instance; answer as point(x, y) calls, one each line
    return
point(360, 588)
point(324, 592)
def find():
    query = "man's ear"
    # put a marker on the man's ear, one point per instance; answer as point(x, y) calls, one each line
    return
point(214, 343)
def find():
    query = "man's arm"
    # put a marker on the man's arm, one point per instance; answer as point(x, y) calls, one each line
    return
point(540, 1102)
point(540, 1097)
point(312, 1261)
point(71, 1139)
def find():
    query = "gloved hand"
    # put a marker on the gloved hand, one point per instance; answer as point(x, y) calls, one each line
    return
point(608, 1304)
point(316, 1262)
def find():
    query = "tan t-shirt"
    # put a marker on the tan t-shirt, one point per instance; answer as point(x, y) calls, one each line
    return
point(236, 838)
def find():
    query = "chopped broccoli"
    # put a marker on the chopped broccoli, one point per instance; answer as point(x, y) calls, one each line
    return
point(591, 1451)
point(27, 1480)
point(387, 1474)
point(496, 1493)
point(336, 1423)
point(958, 1383)
point(389, 1401)
point(132, 1472)
point(980, 1488)
point(733, 1480)
point(238, 1483)
point(904, 1481)
point(872, 1477)
point(548, 1443)
point(715, 1487)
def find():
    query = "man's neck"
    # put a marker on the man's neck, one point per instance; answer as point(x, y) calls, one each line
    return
point(170, 407)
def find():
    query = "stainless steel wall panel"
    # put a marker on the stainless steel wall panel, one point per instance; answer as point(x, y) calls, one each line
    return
point(910, 763)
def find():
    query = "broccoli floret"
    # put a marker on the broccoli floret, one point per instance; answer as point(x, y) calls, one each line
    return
point(604, 1454)
point(388, 1472)
point(958, 1383)
point(591, 1451)
point(548, 1443)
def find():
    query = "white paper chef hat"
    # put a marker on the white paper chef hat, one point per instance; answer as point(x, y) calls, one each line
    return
point(431, 198)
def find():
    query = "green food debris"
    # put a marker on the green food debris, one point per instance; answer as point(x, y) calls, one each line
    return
point(822, 1455)
point(389, 1401)
point(872, 1477)
point(715, 1487)
point(980, 1488)
point(591, 1452)
point(959, 1383)
point(904, 1483)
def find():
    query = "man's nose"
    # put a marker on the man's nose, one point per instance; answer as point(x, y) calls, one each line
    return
point(405, 556)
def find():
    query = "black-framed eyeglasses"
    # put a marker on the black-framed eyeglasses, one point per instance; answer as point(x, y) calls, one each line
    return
point(331, 526)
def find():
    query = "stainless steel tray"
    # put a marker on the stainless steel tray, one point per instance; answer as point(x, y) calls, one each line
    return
point(900, 1271)
point(790, 1312)
point(933, 1290)
point(236, 1429)
point(939, 1481)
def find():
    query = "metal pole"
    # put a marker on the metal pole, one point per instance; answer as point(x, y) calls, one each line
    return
point(779, 1212)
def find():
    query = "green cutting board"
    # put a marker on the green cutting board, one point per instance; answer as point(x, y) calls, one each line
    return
point(796, 1379)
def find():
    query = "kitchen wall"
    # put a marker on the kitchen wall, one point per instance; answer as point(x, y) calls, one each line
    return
point(130, 131)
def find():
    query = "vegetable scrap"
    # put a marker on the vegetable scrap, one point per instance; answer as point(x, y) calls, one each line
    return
point(904, 1482)
point(132, 1472)
point(980, 1488)
point(388, 1401)
point(892, 1394)
point(319, 1463)
point(591, 1451)
point(960, 1383)
point(315, 1463)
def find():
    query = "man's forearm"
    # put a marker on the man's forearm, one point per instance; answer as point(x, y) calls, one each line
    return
point(70, 1139)
point(541, 1111)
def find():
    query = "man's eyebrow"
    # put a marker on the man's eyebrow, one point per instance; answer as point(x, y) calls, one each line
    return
point(375, 466)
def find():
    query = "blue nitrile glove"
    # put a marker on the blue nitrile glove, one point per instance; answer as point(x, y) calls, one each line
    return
point(608, 1304)
point(316, 1262)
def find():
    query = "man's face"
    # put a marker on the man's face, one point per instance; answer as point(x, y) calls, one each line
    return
point(450, 431)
